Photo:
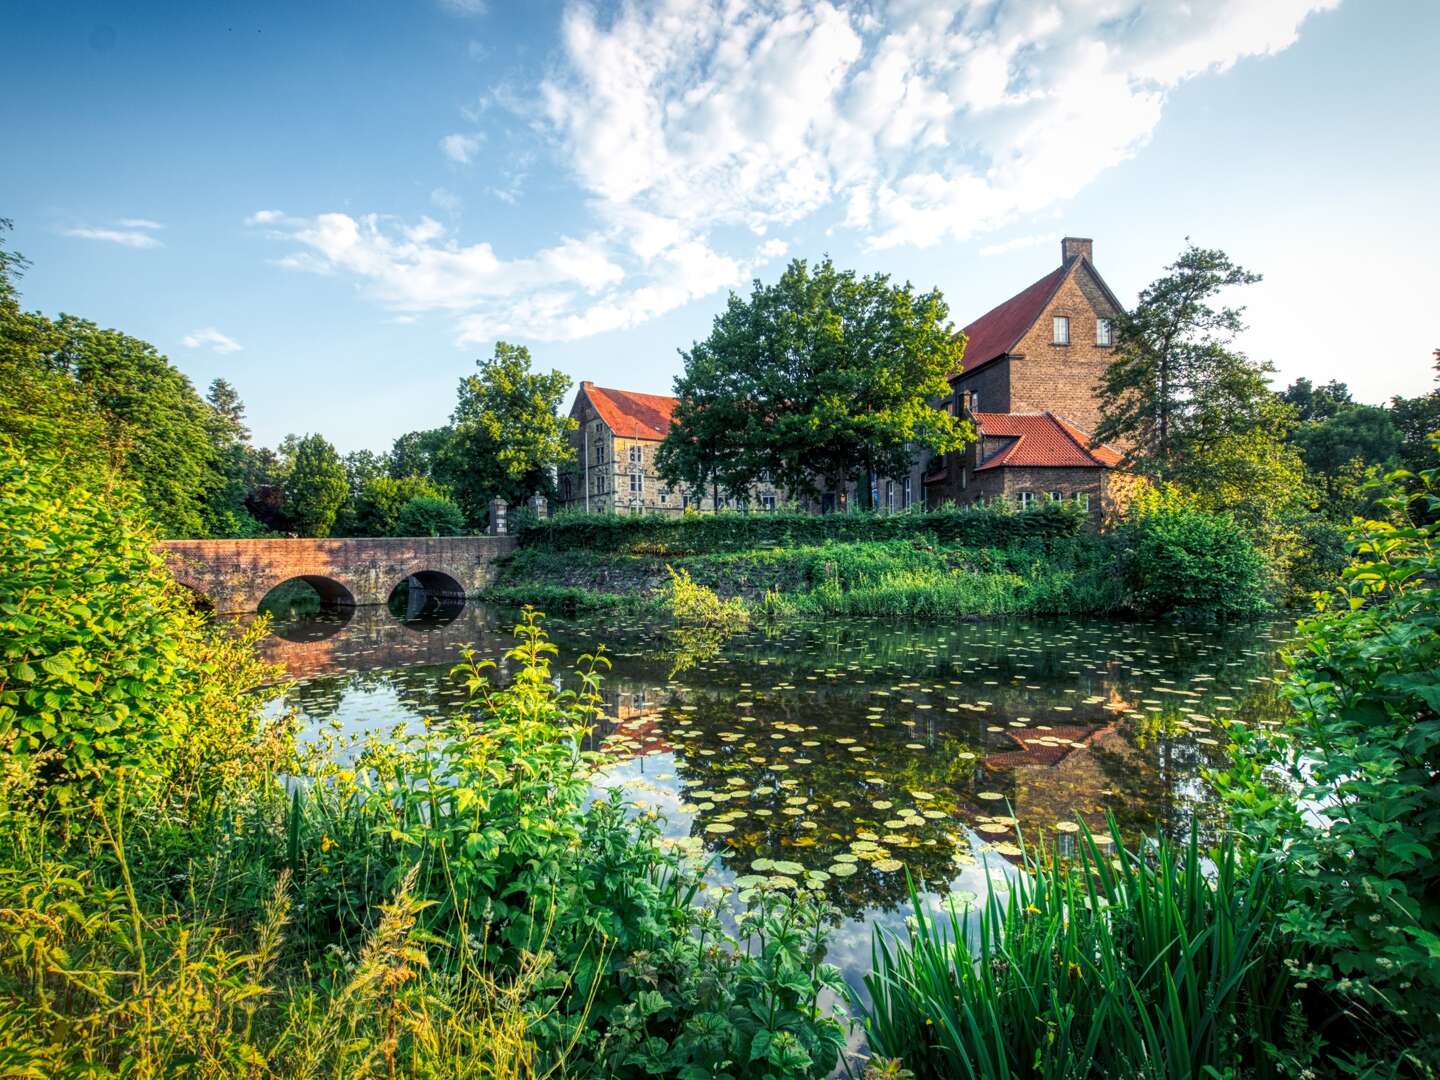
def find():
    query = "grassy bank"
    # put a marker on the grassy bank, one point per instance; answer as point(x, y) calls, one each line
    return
point(951, 564)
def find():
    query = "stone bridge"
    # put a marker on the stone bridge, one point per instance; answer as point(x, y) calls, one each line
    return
point(235, 575)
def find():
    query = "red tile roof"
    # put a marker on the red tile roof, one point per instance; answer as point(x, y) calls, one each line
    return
point(1042, 440)
point(996, 332)
point(631, 415)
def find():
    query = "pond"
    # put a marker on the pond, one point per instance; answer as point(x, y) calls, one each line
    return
point(851, 751)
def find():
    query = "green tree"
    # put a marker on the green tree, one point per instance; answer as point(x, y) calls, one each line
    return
point(376, 510)
point(417, 453)
point(1418, 418)
point(1340, 448)
point(429, 515)
point(1316, 402)
point(824, 376)
point(226, 513)
point(315, 487)
point(508, 432)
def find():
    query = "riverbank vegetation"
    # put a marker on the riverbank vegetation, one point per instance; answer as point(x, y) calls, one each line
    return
point(1167, 558)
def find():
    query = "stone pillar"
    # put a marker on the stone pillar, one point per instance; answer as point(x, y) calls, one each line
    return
point(497, 525)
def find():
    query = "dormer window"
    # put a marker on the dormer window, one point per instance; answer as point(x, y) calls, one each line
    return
point(1062, 330)
point(1104, 332)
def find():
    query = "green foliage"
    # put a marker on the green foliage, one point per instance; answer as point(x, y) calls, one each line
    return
point(315, 486)
point(376, 509)
point(695, 605)
point(508, 433)
point(1159, 963)
point(671, 535)
point(1418, 419)
point(104, 663)
point(1179, 560)
point(417, 453)
point(822, 376)
point(429, 515)
point(563, 599)
point(1347, 794)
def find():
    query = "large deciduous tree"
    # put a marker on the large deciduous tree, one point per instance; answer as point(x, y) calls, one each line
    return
point(819, 379)
point(315, 486)
point(508, 434)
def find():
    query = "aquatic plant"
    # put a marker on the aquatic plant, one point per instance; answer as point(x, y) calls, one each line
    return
point(1150, 963)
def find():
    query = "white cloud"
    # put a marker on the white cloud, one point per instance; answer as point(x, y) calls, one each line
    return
point(464, 7)
point(920, 122)
point(126, 237)
point(701, 131)
point(444, 199)
point(139, 223)
point(212, 339)
point(461, 148)
point(265, 217)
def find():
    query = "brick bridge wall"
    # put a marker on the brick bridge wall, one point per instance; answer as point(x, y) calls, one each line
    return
point(235, 575)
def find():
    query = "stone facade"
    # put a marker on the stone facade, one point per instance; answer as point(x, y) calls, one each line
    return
point(235, 575)
point(614, 470)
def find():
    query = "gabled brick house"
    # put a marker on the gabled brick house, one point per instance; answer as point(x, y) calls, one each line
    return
point(614, 466)
point(1031, 369)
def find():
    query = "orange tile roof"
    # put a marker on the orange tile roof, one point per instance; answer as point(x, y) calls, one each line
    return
point(631, 415)
point(996, 332)
point(1042, 440)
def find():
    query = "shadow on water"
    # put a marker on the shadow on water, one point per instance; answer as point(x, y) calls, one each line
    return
point(857, 748)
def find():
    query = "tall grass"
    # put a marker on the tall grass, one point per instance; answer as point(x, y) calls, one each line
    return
point(1160, 963)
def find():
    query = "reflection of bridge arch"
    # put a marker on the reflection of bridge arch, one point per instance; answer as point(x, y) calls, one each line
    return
point(236, 574)
point(427, 599)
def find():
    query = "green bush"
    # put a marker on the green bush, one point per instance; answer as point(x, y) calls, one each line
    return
point(1147, 964)
point(105, 663)
point(1346, 796)
point(675, 535)
point(429, 515)
point(1179, 561)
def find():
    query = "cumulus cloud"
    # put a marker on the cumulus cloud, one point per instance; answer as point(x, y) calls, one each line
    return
point(924, 122)
point(265, 217)
point(700, 131)
point(127, 232)
point(212, 339)
point(461, 148)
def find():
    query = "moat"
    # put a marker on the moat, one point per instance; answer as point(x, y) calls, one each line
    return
point(841, 754)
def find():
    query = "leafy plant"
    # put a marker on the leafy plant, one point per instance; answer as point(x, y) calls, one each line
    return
point(1142, 963)
point(1346, 797)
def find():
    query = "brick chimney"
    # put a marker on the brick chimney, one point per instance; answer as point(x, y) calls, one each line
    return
point(1072, 246)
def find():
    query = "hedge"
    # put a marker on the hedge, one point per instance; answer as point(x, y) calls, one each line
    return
point(692, 534)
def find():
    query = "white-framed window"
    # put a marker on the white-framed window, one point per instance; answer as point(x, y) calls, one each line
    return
point(1026, 499)
point(905, 495)
point(767, 501)
point(1055, 496)
point(1104, 332)
point(1062, 330)
point(637, 484)
point(1083, 499)
point(637, 455)
point(664, 495)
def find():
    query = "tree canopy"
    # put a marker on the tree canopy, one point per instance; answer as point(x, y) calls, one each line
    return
point(315, 486)
point(817, 379)
point(507, 432)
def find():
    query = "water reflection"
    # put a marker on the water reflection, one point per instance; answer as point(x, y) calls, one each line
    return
point(856, 750)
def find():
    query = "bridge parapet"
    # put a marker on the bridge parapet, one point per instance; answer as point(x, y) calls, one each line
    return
point(235, 575)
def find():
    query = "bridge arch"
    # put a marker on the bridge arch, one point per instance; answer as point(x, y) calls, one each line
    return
point(308, 607)
point(426, 599)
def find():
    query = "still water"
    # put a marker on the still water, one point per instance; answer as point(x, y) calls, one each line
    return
point(842, 753)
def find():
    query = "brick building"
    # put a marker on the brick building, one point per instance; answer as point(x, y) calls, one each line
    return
point(614, 466)
point(1029, 382)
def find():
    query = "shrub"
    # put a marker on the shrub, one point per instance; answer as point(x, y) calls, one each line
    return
point(1347, 795)
point(1152, 964)
point(695, 605)
point(104, 661)
point(429, 515)
point(674, 535)
point(1183, 562)
point(377, 507)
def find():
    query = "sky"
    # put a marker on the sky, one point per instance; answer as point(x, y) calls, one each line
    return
point(341, 206)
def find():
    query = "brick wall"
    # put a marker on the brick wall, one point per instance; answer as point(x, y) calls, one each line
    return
point(1062, 378)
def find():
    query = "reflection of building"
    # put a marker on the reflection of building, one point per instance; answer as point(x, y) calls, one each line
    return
point(633, 724)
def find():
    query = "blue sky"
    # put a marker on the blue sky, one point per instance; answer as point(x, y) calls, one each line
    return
point(339, 206)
